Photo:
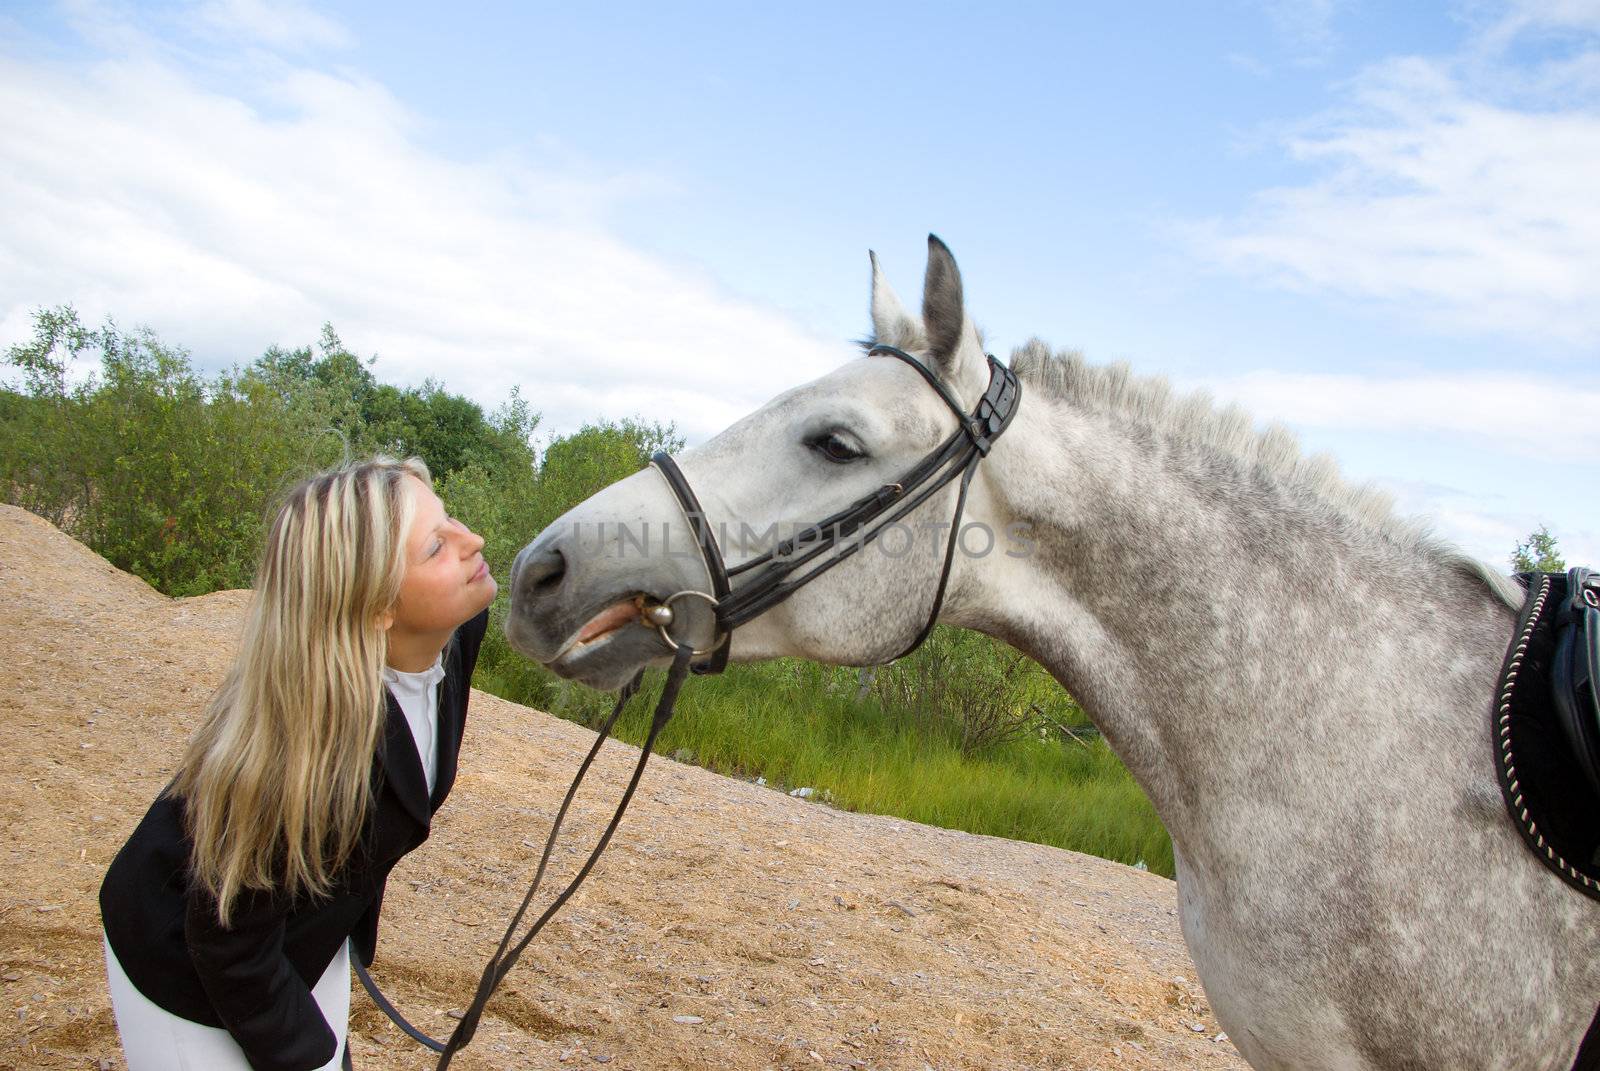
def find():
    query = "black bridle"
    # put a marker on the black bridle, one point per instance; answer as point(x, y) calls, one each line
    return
point(774, 576)
point(771, 578)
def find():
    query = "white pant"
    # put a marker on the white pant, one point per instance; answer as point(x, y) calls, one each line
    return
point(153, 1039)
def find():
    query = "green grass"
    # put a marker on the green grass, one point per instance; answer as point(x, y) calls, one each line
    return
point(798, 723)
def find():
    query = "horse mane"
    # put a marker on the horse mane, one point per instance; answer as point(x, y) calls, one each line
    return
point(1274, 451)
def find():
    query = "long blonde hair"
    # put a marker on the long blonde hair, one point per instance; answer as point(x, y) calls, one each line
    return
point(276, 782)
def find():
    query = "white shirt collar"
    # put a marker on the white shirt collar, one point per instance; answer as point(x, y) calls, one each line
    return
point(417, 682)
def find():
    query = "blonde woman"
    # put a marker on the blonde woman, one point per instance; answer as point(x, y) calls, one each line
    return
point(230, 912)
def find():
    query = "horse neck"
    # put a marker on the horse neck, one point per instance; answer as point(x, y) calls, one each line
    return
point(1213, 622)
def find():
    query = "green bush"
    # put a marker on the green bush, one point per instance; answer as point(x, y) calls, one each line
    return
point(799, 724)
point(978, 690)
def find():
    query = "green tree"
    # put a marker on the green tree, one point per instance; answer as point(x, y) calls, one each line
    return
point(595, 456)
point(36, 421)
point(165, 474)
point(496, 494)
point(448, 431)
point(1538, 554)
point(120, 441)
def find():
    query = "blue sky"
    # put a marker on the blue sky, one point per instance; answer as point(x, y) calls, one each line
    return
point(1378, 224)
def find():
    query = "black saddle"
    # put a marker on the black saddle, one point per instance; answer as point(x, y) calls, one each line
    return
point(1547, 725)
point(1577, 668)
point(1547, 736)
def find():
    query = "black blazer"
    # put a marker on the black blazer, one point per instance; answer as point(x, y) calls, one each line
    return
point(255, 977)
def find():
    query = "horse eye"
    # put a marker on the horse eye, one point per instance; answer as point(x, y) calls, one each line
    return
point(835, 448)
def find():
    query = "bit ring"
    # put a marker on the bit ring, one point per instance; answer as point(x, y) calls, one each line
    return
point(660, 622)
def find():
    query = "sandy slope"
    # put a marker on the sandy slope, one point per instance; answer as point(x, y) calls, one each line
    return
point(800, 936)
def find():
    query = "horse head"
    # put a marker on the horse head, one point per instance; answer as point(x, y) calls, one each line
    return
point(586, 594)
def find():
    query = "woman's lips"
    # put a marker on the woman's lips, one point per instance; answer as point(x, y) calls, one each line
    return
point(609, 620)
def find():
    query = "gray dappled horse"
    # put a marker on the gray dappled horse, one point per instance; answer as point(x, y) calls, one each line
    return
point(1300, 681)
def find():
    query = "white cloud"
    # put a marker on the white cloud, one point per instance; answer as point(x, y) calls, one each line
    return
point(1459, 191)
point(1519, 429)
point(1523, 16)
point(279, 24)
point(1489, 527)
point(132, 191)
point(1491, 407)
point(1463, 191)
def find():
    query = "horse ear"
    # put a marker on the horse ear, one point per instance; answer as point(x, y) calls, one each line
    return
point(892, 325)
point(950, 334)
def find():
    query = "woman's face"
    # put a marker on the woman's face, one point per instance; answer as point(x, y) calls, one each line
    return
point(446, 580)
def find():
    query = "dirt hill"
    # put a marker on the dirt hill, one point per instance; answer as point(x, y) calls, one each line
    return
point(729, 926)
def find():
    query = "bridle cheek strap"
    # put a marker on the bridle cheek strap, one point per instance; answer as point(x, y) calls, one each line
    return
point(774, 576)
point(710, 553)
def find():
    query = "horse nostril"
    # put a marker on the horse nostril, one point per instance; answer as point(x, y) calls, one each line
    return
point(541, 572)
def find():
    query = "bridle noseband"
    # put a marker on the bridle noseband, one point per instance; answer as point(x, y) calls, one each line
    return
point(774, 576)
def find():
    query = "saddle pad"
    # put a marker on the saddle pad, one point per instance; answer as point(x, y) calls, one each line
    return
point(1548, 788)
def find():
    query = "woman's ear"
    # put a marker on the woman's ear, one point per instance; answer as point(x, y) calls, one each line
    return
point(386, 620)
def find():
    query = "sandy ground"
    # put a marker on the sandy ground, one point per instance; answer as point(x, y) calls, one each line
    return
point(729, 926)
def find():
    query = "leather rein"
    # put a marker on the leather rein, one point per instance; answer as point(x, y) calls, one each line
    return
point(770, 579)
